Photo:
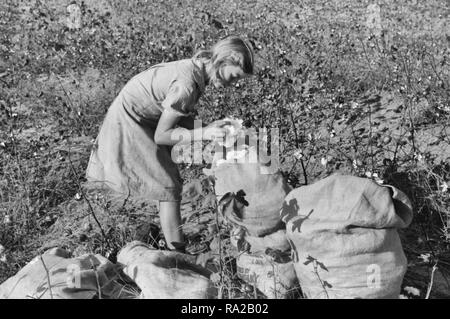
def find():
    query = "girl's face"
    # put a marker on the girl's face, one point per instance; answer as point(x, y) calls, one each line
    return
point(228, 74)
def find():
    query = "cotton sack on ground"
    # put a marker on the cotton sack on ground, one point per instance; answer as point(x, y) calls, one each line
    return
point(343, 230)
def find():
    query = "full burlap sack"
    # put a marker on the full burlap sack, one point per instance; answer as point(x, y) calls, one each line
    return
point(343, 230)
point(84, 277)
point(264, 188)
point(275, 279)
point(276, 241)
point(165, 274)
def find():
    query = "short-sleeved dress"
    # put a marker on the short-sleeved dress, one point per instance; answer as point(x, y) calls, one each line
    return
point(125, 157)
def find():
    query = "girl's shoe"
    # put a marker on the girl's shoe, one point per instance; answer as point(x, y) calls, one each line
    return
point(179, 247)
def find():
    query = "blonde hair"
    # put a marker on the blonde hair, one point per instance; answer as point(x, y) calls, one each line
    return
point(231, 50)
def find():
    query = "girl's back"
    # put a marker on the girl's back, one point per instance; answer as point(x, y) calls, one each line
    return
point(143, 95)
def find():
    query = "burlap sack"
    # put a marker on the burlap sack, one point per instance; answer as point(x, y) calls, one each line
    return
point(343, 230)
point(84, 277)
point(276, 280)
point(264, 192)
point(165, 274)
point(275, 241)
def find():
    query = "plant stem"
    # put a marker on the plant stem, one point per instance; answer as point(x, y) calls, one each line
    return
point(431, 281)
point(48, 276)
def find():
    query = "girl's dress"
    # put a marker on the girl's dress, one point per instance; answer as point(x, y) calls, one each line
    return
point(125, 157)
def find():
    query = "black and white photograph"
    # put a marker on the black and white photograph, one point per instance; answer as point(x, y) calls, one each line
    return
point(245, 151)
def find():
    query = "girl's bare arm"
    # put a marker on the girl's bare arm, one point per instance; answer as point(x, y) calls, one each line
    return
point(168, 134)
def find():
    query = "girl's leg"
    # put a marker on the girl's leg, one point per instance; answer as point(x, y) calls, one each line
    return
point(170, 216)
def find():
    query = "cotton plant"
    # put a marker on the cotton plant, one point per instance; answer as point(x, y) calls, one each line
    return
point(2, 254)
point(375, 177)
point(444, 187)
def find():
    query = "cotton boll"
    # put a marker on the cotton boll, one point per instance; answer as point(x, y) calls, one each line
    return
point(413, 291)
point(237, 154)
point(220, 162)
point(233, 129)
point(7, 220)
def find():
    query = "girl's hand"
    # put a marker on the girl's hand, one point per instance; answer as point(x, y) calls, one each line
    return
point(214, 131)
point(220, 123)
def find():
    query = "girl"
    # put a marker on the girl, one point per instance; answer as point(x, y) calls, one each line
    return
point(131, 154)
